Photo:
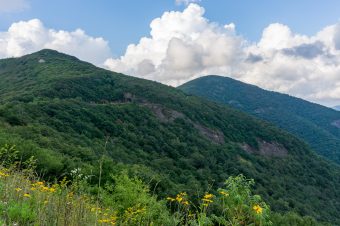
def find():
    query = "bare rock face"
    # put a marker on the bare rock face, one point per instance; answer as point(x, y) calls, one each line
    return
point(163, 114)
point(215, 136)
point(168, 115)
point(266, 149)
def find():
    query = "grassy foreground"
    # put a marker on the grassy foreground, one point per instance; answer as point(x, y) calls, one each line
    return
point(26, 199)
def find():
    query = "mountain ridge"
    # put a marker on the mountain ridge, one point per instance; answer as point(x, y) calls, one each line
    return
point(314, 123)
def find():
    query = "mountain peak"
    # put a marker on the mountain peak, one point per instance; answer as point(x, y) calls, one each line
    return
point(46, 54)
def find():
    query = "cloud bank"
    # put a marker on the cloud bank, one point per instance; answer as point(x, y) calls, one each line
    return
point(29, 36)
point(186, 45)
point(10, 6)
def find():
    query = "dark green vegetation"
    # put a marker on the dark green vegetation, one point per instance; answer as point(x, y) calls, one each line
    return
point(315, 124)
point(68, 114)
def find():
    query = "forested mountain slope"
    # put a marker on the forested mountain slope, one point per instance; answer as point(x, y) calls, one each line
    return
point(317, 125)
point(69, 114)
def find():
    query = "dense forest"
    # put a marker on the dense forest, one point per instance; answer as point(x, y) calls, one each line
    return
point(69, 114)
point(317, 125)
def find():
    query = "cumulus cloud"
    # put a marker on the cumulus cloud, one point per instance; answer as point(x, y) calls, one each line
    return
point(186, 45)
point(9, 6)
point(182, 45)
point(29, 36)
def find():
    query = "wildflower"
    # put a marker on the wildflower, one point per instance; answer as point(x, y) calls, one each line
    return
point(207, 199)
point(40, 183)
point(226, 194)
point(180, 197)
point(44, 188)
point(170, 199)
point(18, 189)
point(52, 190)
point(26, 195)
point(3, 174)
point(185, 203)
point(45, 202)
point(258, 209)
point(208, 196)
point(33, 189)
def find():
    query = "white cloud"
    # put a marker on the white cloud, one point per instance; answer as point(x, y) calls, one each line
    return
point(186, 2)
point(9, 6)
point(29, 36)
point(182, 45)
point(185, 45)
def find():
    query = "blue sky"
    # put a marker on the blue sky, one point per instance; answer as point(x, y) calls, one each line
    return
point(122, 22)
point(289, 46)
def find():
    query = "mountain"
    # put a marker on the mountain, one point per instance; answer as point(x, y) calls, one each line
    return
point(70, 114)
point(317, 125)
point(337, 107)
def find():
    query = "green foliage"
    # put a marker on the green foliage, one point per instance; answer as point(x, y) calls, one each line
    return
point(8, 155)
point(240, 206)
point(27, 200)
point(70, 114)
point(134, 203)
point(21, 213)
point(315, 124)
point(291, 218)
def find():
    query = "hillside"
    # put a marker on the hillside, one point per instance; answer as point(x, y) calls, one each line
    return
point(68, 114)
point(317, 125)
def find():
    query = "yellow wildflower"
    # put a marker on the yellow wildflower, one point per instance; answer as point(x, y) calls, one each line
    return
point(18, 189)
point(258, 209)
point(179, 198)
point(170, 199)
point(44, 188)
point(208, 196)
point(3, 174)
point(226, 194)
point(26, 195)
point(52, 190)
point(186, 203)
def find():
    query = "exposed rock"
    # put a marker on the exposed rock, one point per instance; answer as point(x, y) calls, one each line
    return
point(213, 135)
point(168, 115)
point(266, 149)
point(164, 114)
point(129, 97)
point(41, 61)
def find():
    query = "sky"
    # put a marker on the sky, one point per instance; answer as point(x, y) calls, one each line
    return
point(284, 45)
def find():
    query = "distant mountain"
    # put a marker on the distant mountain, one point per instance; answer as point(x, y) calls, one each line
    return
point(337, 107)
point(69, 114)
point(317, 125)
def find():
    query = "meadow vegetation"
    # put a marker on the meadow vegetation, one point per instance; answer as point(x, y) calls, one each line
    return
point(26, 199)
